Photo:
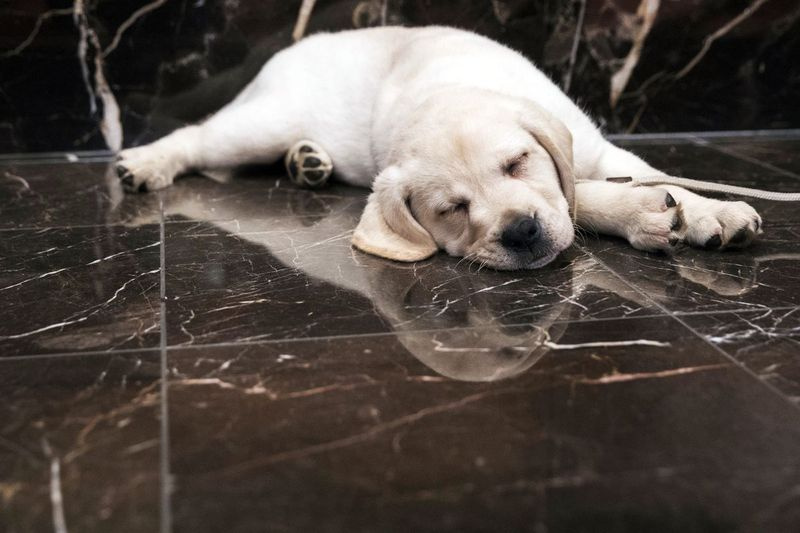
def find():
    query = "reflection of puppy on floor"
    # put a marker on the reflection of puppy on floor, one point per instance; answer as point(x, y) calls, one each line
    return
point(426, 303)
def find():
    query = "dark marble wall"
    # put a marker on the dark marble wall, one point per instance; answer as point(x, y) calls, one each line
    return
point(77, 75)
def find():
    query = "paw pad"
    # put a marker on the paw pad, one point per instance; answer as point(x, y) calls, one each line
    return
point(308, 165)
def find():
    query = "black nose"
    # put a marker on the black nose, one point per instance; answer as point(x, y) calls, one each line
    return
point(522, 234)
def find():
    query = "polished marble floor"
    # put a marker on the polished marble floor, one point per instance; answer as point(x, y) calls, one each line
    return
point(217, 358)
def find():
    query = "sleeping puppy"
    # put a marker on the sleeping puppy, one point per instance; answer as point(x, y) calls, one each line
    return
point(467, 146)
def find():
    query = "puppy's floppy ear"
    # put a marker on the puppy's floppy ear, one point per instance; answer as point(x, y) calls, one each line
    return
point(387, 227)
point(554, 136)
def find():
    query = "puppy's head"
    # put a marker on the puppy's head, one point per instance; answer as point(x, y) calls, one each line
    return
point(480, 175)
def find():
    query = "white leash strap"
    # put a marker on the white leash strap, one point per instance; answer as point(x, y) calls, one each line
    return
point(707, 186)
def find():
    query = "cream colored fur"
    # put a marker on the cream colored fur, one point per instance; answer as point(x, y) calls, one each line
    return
point(432, 119)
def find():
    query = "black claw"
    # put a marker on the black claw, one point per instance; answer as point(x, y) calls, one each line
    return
point(121, 171)
point(670, 201)
point(677, 222)
point(674, 241)
point(757, 224)
point(143, 187)
point(713, 243)
point(127, 180)
point(739, 237)
point(305, 149)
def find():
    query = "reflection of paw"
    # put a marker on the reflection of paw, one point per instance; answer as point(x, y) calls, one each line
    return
point(129, 211)
point(145, 169)
point(656, 220)
point(141, 219)
point(725, 279)
point(308, 165)
point(717, 225)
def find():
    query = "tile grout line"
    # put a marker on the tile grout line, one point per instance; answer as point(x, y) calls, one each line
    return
point(101, 156)
point(170, 222)
point(165, 475)
point(699, 141)
point(322, 338)
point(34, 229)
point(75, 226)
point(736, 363)
point(88, 353)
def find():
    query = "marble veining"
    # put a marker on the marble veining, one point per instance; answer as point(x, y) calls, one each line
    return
point(134, 71)
point(90, 288)
point(767, 342)
point(217, 356)
point(79, 443)
point(531, 456)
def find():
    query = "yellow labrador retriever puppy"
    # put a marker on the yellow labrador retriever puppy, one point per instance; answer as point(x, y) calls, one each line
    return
point(467, 146)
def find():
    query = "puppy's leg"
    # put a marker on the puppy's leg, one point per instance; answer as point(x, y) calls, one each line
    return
point(258, 131)
point(647, 217)
point(709, 223)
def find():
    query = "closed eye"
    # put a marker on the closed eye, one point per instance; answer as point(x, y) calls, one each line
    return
point(515, 167)
point(458, 207)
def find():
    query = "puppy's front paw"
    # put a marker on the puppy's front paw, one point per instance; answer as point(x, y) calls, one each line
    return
point(144, 169)
point(656, 221)
point(718, 225)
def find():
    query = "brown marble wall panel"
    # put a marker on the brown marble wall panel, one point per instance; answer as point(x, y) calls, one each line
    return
point(636, 66)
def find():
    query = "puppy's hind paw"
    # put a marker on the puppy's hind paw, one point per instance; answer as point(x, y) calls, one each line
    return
point(308, 164)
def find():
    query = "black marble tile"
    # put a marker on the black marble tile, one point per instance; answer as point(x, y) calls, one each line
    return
point(767, 342)
point(67, 194)
point(762, 276)
point(260, 195)
point(79, 443)
point(242, 279)
point(78, 289)
point(783, 153)
point(313, 387)
point(645, 428)
point(684, 158)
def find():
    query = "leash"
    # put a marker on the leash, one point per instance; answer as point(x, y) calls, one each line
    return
point(309, 166)
point(707, 186)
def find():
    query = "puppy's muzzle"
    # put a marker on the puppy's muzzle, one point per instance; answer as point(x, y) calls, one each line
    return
point(523, 236)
